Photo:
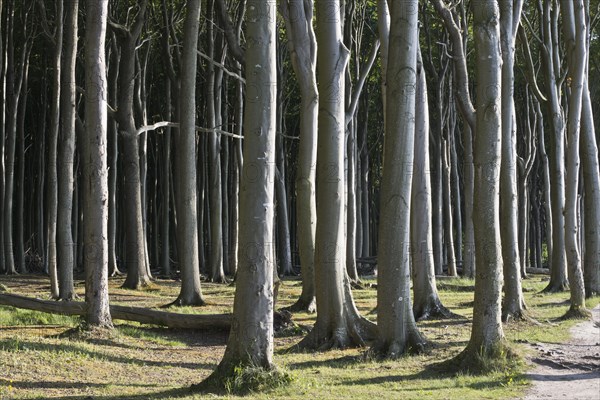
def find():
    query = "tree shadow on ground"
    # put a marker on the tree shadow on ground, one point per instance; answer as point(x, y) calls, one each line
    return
point(341, 362)
point(169, 393)
point(18, 345)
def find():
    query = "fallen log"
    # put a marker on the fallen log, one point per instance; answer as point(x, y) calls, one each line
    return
point(126, 313)
point(538, 271)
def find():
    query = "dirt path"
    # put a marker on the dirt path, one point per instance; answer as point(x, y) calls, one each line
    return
point(570, 370)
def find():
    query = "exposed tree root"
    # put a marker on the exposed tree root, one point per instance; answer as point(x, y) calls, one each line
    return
point(521, 315)
point(139, 285)
point(303, 305)
point(576, 313)
point(480, 360)
point(556, 287)
point(182, 301)
point(242, 379)
point(219, 279)
point(433, 311)
point(356, 332)
point(415, 344)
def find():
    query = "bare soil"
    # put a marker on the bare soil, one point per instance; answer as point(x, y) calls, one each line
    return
point(569, 370)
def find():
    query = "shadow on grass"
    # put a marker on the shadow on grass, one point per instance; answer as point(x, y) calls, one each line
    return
point(341, 362)
point(169, 393)
point(13, 345)
point(66, 385)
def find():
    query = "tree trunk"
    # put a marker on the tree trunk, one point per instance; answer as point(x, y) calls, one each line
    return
point(250, 341)
point(397, 328)
point(303, 48)
point(487, 337)
point(113, 150)
point(338, 323)
point(558, 266)
point(427, 303)
point(575, 35)
point(95, 168)
point(591, 182)
point(513, 306)
point(215, 261)
point(187, 228)
point(66, 157)
point(137, 271)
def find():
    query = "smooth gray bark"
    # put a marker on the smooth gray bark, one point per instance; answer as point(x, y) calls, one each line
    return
point(397, 329)
point(187, 228)
point(66, 157)
point(303, 52)
point(513, 305)
point(250, 342)
point(338, 322)
point(487, 336)
point(427, 303)
point(575, 35)
point(95, 168)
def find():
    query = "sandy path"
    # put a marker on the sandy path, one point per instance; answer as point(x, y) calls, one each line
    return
point(570, 370)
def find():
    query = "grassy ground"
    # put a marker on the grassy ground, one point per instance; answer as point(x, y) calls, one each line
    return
point(141, 362)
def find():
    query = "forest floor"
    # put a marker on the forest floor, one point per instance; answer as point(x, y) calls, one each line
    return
point(37, 361)
point(568, 370)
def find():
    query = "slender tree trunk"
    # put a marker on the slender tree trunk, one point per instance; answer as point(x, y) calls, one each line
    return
point(95, 168)
point(250, 342)
point(338, 323)
point(427, 303)
point(113, 149)
point(214, 156)
point(187, 227)
point(487, 337)
point(575, 34)
point(66, 157)
point(591, 181)
point(396, 324)
point(303, 52)
point(12, 101)
point(558, 265)
point(513, 306)
point(165, 229)
point(137, 271)
point(447, 196)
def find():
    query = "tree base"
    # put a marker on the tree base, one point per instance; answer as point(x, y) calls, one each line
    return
point(498, 357)
point(521, 315)
point(393, 350)
point(138, 285)
point(303, 305)
point(182, 301)
point(433, 311)
point(89, 333)
point(556, 287)
point(576, 313)
point(357, 332)
point(242, 380)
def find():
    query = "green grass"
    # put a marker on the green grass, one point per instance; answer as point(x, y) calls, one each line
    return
point(142, 362)
point(10, 316)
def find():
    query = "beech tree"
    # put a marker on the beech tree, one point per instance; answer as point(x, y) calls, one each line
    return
point(513, 306)
point(487, 336)
point(66, 156)
point(427, 303)
point(250, 342)
point(298, 16)
point(575, 33)
point(338, 323)
point(186, 158)
point(397, 329)
point(95, 168)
